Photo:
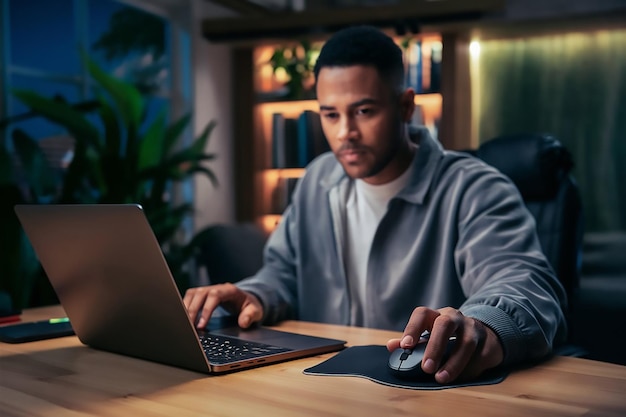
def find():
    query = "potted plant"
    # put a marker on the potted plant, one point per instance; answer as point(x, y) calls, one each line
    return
point(121, 159)
point(297, 62)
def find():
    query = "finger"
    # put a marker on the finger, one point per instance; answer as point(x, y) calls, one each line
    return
point(193, 300)
point(444, 327)
point(469, 339)
point(188, 296)
point(250, 313)
point(393, 344)
point(216, 295)
point(210, 303)
point(421, 319)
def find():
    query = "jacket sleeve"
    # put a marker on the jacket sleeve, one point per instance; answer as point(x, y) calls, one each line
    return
point(275, 284)
point(508, 281)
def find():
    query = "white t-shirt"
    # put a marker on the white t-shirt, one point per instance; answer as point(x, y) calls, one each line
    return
point(366, 206)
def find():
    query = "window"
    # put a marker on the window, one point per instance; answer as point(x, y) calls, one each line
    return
point(41, 49)
point(42, 43)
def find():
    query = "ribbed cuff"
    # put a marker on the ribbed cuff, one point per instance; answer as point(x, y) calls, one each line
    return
point(505, 328)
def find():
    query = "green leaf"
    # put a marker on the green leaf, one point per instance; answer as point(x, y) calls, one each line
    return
point(62, 114)
point(152, 143)
point(200, 143)
point(174, 132)
point(167, 220)
point(128, 99)
point(128, 160)
point(39, 175)
point(187, 156)
point(95, 172)
point(111, 160)
point(177, 167)
point(112, 132)
point(77, 172)
point(203, 170)
point(278, 59)
point(182, 163)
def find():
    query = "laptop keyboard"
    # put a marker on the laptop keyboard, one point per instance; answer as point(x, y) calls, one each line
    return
point(223, 349)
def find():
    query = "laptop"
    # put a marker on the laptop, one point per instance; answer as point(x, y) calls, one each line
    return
point(112, 279)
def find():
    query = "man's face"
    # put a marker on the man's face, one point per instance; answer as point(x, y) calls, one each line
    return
point(363, 119)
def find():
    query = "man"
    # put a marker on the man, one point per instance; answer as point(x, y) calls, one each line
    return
point(389, 228)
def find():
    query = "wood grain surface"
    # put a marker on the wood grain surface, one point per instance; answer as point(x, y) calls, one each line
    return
point(62, 377)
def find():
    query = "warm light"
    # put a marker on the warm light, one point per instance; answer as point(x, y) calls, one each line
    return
point(474, 49)
point(269, 222)
point(281, 75)
point(429, 105)
point(437, 51)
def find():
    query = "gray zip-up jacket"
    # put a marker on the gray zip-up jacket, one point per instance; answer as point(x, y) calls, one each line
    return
point(458, 234)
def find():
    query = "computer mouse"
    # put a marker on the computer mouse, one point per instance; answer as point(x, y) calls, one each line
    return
point(407, 363)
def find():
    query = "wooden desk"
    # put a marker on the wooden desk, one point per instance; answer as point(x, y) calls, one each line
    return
point(62, 377)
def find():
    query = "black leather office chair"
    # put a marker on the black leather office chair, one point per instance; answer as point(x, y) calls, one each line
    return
point(231, 252)
point(540, 166)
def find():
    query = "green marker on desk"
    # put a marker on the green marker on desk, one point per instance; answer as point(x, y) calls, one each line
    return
point(59, 320)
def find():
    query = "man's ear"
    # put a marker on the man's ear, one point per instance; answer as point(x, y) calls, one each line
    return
point(407, 105)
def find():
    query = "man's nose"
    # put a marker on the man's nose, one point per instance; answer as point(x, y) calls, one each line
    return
point(347, 129)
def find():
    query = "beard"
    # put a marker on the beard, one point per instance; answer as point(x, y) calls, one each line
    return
point(378, 159)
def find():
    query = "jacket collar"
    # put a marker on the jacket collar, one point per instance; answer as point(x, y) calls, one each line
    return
point(424, 166)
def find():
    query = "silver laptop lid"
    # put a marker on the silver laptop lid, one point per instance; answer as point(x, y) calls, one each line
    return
point(111, 277)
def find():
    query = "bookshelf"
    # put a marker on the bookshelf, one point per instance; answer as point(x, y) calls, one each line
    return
point(269, 178)
point(262, 94)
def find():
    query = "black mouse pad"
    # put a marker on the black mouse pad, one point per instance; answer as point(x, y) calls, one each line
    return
point(371, 362)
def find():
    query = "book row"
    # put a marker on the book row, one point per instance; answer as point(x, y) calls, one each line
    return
point(423, 66)
point(297, 141)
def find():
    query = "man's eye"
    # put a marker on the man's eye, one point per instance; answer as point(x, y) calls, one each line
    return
point(364, 110)
point(330, 116)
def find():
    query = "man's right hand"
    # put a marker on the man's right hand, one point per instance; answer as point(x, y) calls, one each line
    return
point(202, 301)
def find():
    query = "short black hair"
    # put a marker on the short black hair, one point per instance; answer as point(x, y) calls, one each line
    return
point(363, 45)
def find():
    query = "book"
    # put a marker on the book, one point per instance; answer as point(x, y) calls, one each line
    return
point(284, 142)
point(311, 139)
point(414, 67)
point(281, 195)
point(436, 56)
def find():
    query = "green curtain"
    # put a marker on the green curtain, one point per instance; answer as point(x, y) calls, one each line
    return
point(574, 87)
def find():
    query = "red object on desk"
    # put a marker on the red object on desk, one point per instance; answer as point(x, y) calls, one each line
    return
point(10, 319)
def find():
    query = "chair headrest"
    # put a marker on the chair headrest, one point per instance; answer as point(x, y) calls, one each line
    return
point(534, 162)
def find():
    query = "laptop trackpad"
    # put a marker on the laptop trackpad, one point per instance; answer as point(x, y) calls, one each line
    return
point(271, 337)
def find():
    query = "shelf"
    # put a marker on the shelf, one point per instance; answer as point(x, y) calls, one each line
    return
point(430, 103)
point(431, 107)
point(263, 119)
point(270, 179)
point(405, 16)
point(274, 184)
point(274, 174)
point(261, 188)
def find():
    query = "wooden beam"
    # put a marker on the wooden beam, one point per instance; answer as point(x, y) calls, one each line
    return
point(244, 7)
point(404, 16)
point(246, 149)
